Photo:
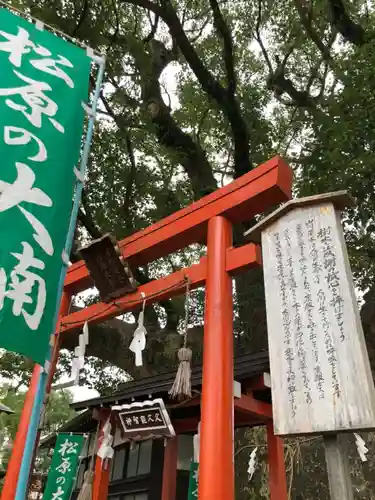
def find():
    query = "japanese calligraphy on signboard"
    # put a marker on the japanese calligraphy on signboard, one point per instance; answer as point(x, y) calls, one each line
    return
point(193, 481)
point(44, 81)
point(320, 372)
point(64, 467)
point(140, 420)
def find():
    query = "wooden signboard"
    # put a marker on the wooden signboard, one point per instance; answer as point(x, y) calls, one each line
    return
point(111, 273)
point(145, 419)
point(320, 372)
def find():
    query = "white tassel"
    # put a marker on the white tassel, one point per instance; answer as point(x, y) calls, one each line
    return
point(252, 463)
point(361, 447)
point(181, 387)
point(86, 489)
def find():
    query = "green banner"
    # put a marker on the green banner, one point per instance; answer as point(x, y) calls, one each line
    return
point(193, 481)
point(64, 467)
point(44, 80)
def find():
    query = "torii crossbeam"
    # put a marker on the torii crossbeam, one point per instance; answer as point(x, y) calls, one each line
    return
point(209, 221)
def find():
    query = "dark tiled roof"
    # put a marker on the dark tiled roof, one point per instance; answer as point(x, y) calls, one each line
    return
point(246, 366)
point(83, 422)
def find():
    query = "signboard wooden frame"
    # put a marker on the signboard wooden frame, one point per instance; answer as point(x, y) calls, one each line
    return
point(320, 372)
point(142, 429)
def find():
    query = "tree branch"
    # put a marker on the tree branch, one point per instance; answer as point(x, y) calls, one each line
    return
point(81, 17)
point(224, 32)
point(131, 179)
point(228, 104)
point(150, 65)
point(350, 30)
point(87, 220)
point(259, 38)
point(154, 26)
point(280, 84)
point(306, 21)
point(88, 223)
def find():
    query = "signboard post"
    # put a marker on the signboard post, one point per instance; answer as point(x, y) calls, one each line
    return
point(320, 372)
point(64, 467)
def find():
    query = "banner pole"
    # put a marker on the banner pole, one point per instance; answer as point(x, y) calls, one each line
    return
point(23, 478)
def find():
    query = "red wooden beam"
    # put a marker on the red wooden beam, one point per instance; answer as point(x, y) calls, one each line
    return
point(161, 289)
point(186, 425)
point(258, 383)
point(247, 404)
point(260, 189)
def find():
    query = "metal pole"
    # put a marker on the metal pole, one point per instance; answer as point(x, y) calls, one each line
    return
point(11, 478)
point(22, 485)
point(216, 469)
point(64, 309)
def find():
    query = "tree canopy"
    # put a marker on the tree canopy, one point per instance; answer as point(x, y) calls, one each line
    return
point(199, 92)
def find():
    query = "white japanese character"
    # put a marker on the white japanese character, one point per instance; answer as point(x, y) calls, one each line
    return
point(20, 290)
point(20, 44)
point(195, 477)
point(60, 480)
point(157, 418)
point(128, 421)
point(50, 66)
point(150, 419)
point(3, 286)
point(16, 45)
point(22, 190)
point(143, 419)
point(24, 138)
point(64, 467)
point(68, 448)
point(135, 420)
point(58, 495)
point(35, 98)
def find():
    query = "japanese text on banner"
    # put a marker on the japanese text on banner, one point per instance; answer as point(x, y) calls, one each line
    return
point(44, 82)
point(64, 467)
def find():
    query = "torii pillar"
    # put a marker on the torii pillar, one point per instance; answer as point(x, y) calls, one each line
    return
point(209, 219)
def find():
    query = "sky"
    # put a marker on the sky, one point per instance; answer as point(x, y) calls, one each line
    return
point(82, 393)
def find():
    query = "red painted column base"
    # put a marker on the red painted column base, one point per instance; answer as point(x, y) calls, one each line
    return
point(277, 474)
point(170, 470)
point(102, 467)
point(101, 479)
point(11, 478)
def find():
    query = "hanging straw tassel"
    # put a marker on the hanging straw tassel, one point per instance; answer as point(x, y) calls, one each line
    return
point(88, 479)
point(86, 490)
point(181, 388)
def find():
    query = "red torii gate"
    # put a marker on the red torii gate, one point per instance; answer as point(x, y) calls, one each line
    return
point(207, 220)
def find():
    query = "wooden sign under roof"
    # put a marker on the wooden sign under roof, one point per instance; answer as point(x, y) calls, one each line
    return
point(141, 420)
point(320, 372)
